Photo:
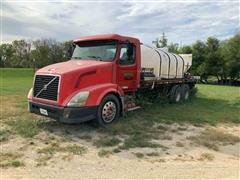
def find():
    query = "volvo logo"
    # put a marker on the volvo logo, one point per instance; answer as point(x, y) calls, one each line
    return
point(45, 87)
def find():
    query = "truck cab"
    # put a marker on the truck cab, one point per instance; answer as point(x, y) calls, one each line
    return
point(93, 84)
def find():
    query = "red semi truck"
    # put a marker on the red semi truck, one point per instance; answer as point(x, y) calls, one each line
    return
point(102, 78)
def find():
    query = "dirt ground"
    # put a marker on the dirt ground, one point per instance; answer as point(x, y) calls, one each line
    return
point(182, 159)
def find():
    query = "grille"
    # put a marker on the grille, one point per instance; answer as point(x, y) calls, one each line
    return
point(46, 87)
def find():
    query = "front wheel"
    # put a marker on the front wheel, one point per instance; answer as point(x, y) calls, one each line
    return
point(108, 110)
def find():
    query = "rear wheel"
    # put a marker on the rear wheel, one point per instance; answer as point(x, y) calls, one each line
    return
point(175, 94)
point(108, 110)
point(185, 92)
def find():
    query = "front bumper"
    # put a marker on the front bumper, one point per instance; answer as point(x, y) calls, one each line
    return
point(70, 115)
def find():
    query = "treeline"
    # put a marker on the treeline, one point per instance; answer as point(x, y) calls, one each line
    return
point(212, 57)
point(29, 54)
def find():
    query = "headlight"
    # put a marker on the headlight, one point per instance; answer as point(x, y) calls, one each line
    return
point(30, 93)
point(79, 99)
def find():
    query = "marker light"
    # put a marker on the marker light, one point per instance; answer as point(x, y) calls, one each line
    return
point(30, 93)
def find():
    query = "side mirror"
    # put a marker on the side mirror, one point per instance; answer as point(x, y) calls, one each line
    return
point(70, 51)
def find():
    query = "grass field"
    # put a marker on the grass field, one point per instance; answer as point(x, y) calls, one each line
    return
point(211, 104)
point(15, 81)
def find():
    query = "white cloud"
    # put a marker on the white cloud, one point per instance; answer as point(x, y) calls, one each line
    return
point(181, 21)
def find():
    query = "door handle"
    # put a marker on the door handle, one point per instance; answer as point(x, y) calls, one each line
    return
point(128, 76)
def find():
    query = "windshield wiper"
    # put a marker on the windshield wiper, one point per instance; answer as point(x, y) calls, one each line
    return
point(96, 57)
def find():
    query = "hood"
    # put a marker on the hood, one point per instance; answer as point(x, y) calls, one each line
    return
point(78, 74)
point(70, 66)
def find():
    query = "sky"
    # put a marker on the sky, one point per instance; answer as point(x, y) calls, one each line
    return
point(182, 21)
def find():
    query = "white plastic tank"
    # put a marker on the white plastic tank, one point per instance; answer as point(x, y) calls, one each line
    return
point(164, 65)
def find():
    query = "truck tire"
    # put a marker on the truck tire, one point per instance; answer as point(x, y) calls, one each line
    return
point(175, 94)
point(185, 92)
point(108, 110)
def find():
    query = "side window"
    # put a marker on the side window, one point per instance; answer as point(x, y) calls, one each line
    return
point(127, 54)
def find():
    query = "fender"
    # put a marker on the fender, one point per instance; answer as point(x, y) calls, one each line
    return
point(97, 92)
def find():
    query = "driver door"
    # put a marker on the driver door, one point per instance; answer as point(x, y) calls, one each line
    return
point(127, 67)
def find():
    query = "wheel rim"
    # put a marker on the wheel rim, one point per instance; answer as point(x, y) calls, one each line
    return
point(186, 95)
point(109, 111)
point(178, 96)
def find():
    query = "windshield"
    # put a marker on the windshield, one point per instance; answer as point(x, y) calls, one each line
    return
point(95, 50)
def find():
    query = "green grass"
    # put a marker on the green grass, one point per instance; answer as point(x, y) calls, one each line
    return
point(116, 150)
point(139, 140)
point(4, 134)
point(43, 160)
point(153, 154)
point(206, 156)
point(107, 142)
point(212, 104)
point(10, 159)
point(48, 152)
point(15, 81)
point(211, 138)
point(55, 147)
point(104, 153)
point(139, 155)
point(25, 127)
point(75, 149)
point(51, 149)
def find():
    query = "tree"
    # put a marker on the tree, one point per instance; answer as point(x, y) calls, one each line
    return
point(41, 54)
point(6, 54)
point(199, 50)
point(156, 43)
point(214, 60)
point(185, 50)
point(55, 50)
point(49, 51)
point(21, 54)
point(213, 57)
point(160, 42)
point(231, 56)
point(163, 41)
point(67, 49)
point(173, 48)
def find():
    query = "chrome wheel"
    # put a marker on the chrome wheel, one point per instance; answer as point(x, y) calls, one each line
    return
point(109, 111)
